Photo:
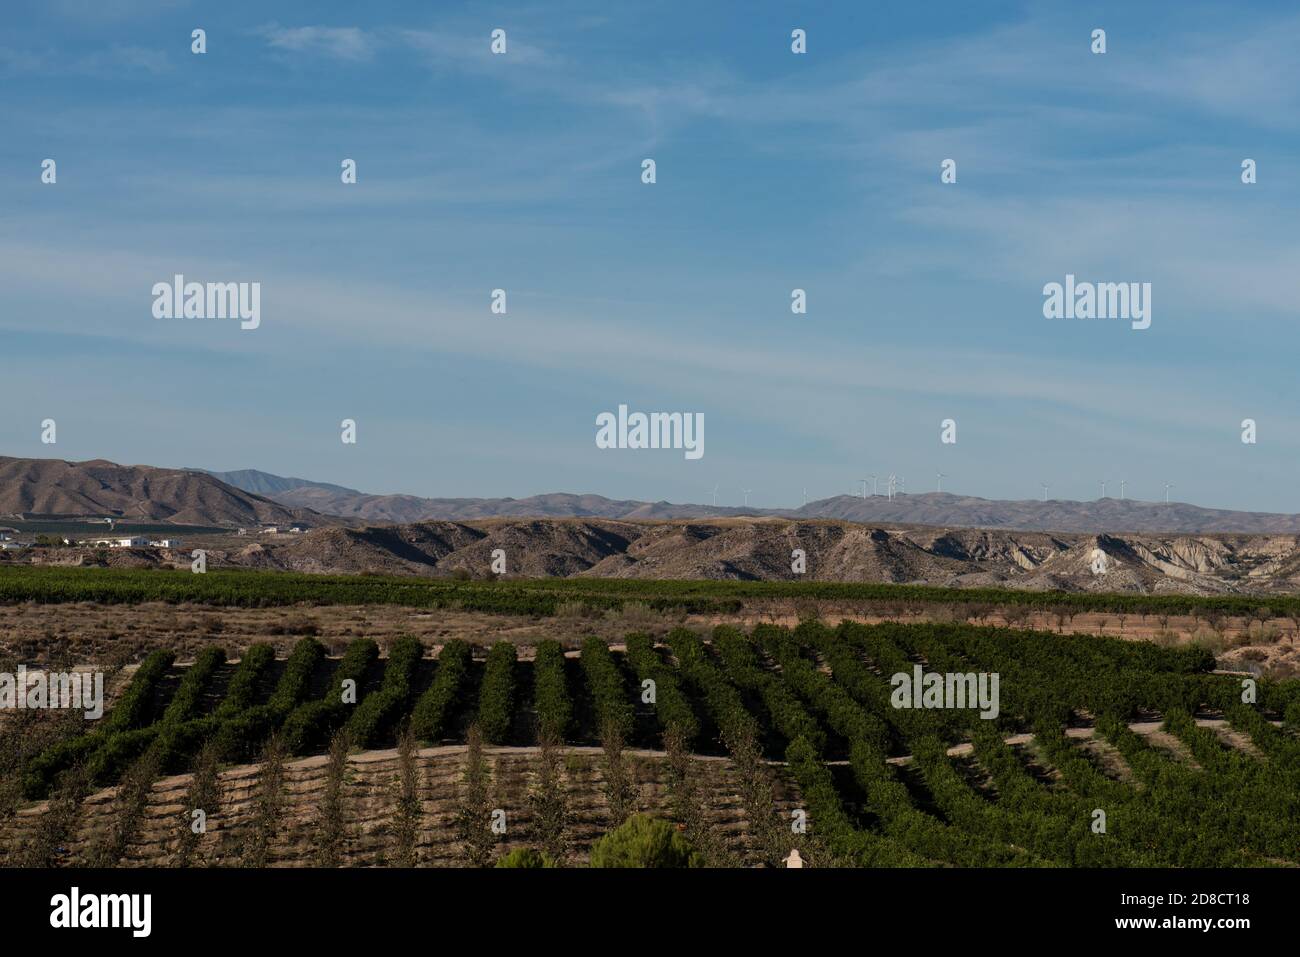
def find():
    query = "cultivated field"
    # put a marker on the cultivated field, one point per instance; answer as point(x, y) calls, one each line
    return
point(1103, 752)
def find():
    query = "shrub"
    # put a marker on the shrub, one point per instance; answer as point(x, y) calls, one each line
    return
point(550, 805)
point(331, 828)
point(644, 841)
point(243, 683)
point(407, 808)
point(204, 794)
point(525, 857)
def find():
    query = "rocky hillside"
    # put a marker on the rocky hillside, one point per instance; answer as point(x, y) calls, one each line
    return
point(52, 487)
point(761, 549)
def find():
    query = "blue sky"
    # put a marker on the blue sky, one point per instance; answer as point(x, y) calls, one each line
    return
point(775, 171)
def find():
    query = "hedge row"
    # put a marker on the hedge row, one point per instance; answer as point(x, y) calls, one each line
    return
point(240, 736)
point(613, 705)
point(551, 691)
point(673, 709)
point(242, 689)
point(372, 722)
point(178, 742)
point(260, 588)
point(831, 823)
point(310, 725)
point(789, 717)
point(120, 748)
point(497, 694)
point(720, 697)
point(435, 708)
point(134, 708)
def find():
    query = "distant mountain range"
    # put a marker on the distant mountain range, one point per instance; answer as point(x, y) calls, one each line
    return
point(939, 509)
point(264, 483)
point(52, 487)
point(250, 497)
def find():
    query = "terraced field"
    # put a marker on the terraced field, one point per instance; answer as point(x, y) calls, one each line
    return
point(1102, 753)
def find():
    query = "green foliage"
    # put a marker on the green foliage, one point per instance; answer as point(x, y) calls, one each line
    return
point(525, 857)
point(372, 722)
point(241, 734)
point(613, 705)
point(551, 691)
point(643, 841)
point(720, 696)
point(172, 733)
point(433, 711)
point(260, 589)
point(242, 689)
point(827, 692)
point(133, 710)
point(310, 725)
point(497, 695)
point(743, 668)
point(673, 710)
point(294, 684)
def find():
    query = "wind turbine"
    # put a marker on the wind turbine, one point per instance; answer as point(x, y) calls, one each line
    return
point(938, 481)
point(1122, 483)
point(1103, 488)
point(889, 489)
point(1168, 486)
point(902, 485)
point(715, 495)
point(873, 484)
point(805, 497)
point(864, 488)
point(1044, 485)
point(747, 491)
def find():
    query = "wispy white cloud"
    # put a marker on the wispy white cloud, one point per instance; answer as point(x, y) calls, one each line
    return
point(342, 43)
point(466, 51)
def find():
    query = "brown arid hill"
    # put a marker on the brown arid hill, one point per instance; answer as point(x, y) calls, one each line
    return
point(935, 509)
point(761, 550)
point(53, 487)
point(412, 508)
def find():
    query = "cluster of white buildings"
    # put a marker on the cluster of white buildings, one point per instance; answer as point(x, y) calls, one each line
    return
point(132, 541)
point(8, 542)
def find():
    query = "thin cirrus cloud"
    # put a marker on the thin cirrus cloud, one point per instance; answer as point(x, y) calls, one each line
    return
point(342, 43)
point(440, 48)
